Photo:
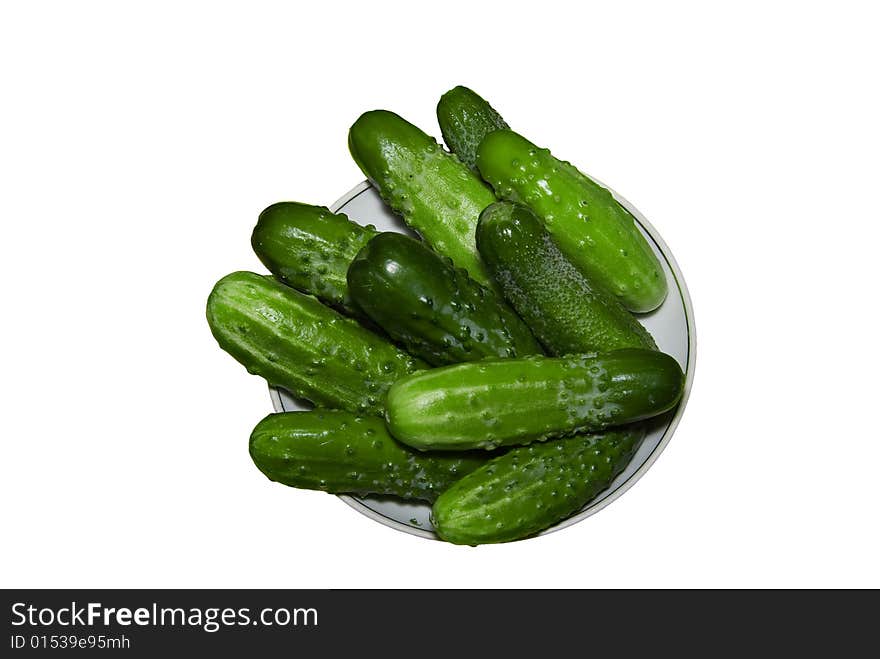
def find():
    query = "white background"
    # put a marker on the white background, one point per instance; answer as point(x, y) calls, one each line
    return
point(139, 141)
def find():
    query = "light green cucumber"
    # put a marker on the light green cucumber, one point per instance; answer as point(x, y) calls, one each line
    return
point(437, 195)
point(517, 401)
point(596, 233)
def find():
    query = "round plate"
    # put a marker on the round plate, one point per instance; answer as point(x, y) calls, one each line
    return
point(671, 325)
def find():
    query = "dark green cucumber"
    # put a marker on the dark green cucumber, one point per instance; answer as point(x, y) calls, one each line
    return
point(531, 488)
point(431, 307)
point(310, 248)
point(295, 342)
point(517, 401)
point(465, 118)
point(437, 195)
point(340, 452)
point(591, 227)
point(566, 310)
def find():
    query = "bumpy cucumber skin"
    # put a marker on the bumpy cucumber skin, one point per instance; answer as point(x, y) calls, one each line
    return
point(436, 311)
point(531, 488)
point(566, 311)
point(437, 195)
point(340, 452)
point(295, 342)
point(465, 118)
point(518, 401)
point(310, 248)
point(591, 227)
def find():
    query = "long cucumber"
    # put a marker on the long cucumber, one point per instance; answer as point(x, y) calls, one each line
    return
point(517, 401)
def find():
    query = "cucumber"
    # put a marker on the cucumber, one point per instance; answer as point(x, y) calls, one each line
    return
point(591, 227)
point(465, 119)
point(340, 452)
point(436, 311)
point(517, 401)
point(437, 195)
point(566, 310)
point(309, 248)
point(531, 488)
point(295, 342)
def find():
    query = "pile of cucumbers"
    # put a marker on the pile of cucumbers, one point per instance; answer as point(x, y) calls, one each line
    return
point(493, 368)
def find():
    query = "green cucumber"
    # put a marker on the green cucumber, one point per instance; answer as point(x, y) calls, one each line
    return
point(309, 248)
point(517, 401)
point(295, 342)
point(465, 118)
point(566, 310)
point(531, 488)
point(437, 195)
point(341, 452)
point(436, 311)
point(591, 227)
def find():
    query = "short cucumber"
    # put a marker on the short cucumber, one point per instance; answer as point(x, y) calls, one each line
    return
point(531, 488)
point(436, 311)
point(295, 342)
point(517, 401)
point(338, 452)
point(309, 248)
point(591, 227)
point(437, 195)
point(465, 118)
point(566, 310)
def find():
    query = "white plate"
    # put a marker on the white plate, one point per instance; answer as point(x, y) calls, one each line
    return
point(671, 325)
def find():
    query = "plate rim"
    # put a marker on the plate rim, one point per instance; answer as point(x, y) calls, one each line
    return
point(590, 510)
